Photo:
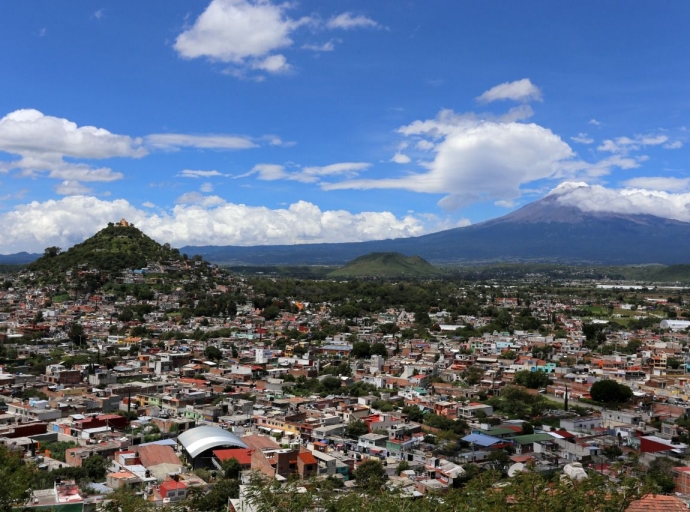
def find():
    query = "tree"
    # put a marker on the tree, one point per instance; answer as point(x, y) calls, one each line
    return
point(673, 363)
point(532, 380)
point(370, 474)
point(402, 466)
point(231, 468)
point(660, 473)
point(76, 334)
point(527, 429)
point(271, 312)
point(379, 349)
point(213, 353)
point(124, 500)
point(357, 428)
point(610, 392)
point(361, 349)
point(51, 252)
point(15, 480)
point(96, 467)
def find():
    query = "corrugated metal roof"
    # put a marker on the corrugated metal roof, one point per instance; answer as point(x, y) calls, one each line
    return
point(200, 439)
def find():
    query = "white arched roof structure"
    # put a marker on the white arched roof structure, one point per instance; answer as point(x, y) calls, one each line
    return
point(199, 439)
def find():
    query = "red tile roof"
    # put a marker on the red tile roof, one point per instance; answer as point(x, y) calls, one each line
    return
point(242, 455)
point(658, 503)
point(307, 458)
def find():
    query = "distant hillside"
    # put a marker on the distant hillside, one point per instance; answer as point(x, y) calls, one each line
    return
point(114, 248)
point(387, 264)
point(20, 258)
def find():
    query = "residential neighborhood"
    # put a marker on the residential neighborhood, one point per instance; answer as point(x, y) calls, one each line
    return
point(175, 371)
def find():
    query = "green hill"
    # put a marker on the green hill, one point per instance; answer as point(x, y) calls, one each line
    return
point(387, 264)
point(113, 249)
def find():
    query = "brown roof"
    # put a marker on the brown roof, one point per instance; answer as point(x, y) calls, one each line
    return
point(658, 503)
point(260, 442)
point(154, 454)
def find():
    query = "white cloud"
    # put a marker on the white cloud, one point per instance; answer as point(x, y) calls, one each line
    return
point(252, 35)
point(199, 199)
point(597, 198)
point(582, 138)
point(43, 142)
point(328, 46)
point(400, 158)
point(245, 33)
point(272, 172)
point(425, 145)
point(99, 14)
point(477, 160)
point(34, 226)
point(594, 122)
point(659, 183)
point(78, 172)
point(349, 21)
point(273, 64)
point(72, 188)
point(347, 169)
point(676, 144)
point(623, 145)
point(206, 188)
point(188, 173)
point(267, 172)
point(181, 140)
point(519, 90)
point(29, 132)
point(148, 204)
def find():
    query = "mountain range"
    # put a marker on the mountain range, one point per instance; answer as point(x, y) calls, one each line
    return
point(542, 231)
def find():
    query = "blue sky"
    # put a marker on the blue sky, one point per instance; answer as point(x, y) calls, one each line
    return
point(247, 122)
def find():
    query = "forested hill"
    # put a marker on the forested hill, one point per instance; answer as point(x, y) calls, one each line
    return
point(387, 264)
point(114, 248)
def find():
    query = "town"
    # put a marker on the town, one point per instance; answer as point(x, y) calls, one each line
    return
point(180, 383)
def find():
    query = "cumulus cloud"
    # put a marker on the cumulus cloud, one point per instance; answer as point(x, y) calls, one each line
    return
point(659, 183)
point(206, 188)
point(519, 90)
point(172, 141)
point(476, 159)
point(238, 31)
point(401, 158)
point(348, 21)
point(596, 198)
point(43, 143)
point(34, 226)
point(251, 35)
point(30, 132)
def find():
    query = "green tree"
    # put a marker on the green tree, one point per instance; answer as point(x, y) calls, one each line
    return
point(370, 474)
point(357, 428)
point(532, 380)
point(213, 353)
point(361, 349)
point(15, 479)
point(660, 474)
point(610, 392)
point(232, 468)
point(379, 349)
